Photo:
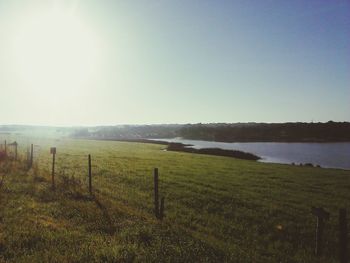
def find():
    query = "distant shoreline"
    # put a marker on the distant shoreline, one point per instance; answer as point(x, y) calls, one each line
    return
point(180, 147)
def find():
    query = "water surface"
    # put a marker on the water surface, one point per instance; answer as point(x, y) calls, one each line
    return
point(330, 155)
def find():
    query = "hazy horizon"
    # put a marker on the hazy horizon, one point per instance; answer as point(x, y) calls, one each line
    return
point(93, 63)
point(153, 124)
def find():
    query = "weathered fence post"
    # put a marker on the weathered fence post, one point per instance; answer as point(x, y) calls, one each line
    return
point(158, 210)
point(156, 196)
point(53, 152)
point(321, 215)
point(5, 148)
point(343, 236)
point(89, 163)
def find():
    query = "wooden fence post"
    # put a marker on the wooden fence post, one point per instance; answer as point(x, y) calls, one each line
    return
point(53, 152)
point(158, 210)
point(5, 148)
point(321, 215)
point(89, 163)
point(343, 236)
point(156, 196)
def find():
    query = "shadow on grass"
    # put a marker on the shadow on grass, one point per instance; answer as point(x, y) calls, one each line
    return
point(110, 229)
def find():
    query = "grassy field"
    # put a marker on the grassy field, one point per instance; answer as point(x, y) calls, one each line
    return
point(217, 209)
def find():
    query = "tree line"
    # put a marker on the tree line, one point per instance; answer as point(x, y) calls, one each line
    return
point(226, 132)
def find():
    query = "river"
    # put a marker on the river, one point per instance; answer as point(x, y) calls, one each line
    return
point(329, 155)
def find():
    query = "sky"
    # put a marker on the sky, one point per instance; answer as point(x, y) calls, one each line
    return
point(186, 61)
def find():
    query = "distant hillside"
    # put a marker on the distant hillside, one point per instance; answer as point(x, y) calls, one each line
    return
point(121, 132)
point(234, 132)
point(276, 132)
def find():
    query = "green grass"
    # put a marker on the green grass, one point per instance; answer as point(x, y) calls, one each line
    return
point(217, 209)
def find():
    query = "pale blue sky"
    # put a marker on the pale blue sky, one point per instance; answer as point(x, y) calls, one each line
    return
point(174, 61)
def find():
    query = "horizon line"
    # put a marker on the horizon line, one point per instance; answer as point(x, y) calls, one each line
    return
point(159, 124)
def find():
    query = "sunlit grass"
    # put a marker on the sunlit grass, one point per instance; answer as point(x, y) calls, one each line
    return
point(216, 209)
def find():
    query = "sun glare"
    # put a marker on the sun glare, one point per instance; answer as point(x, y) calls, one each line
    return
point(55, 52)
